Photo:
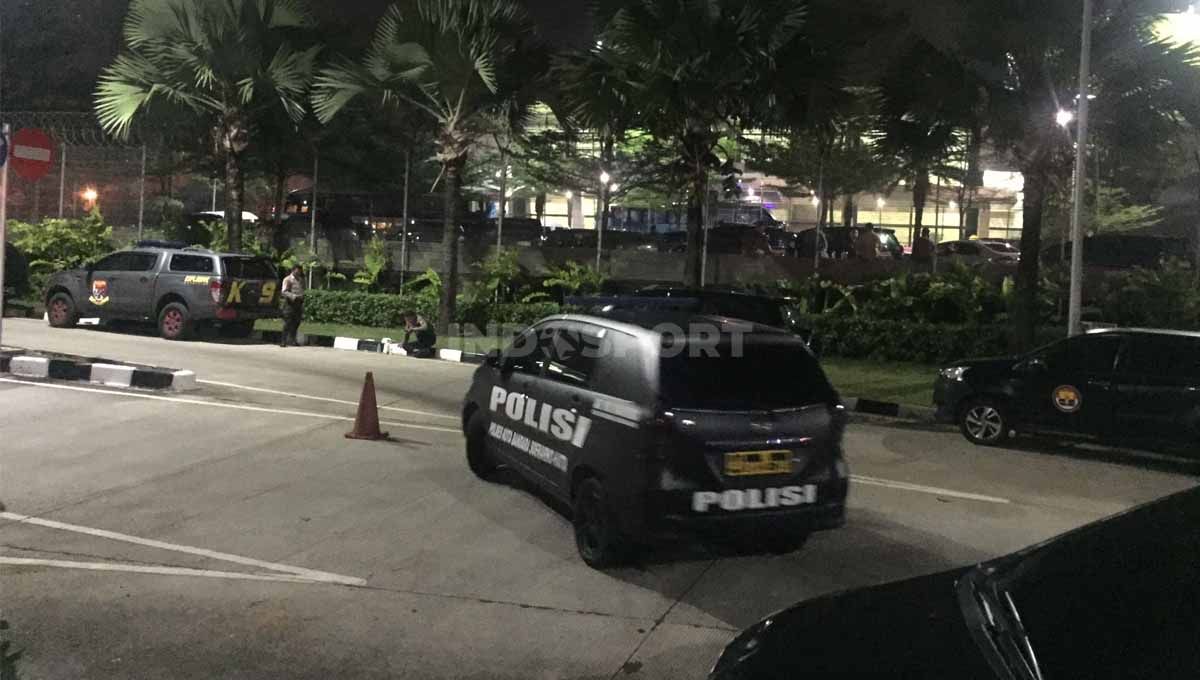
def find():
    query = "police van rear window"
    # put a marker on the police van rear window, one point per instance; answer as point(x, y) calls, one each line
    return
point(248, 268)
point(760, 377)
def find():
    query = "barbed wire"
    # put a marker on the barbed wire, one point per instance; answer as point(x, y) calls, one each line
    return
point(73, 128)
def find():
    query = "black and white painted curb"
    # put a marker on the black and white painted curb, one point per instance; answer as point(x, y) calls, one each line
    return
point(890, 409)
point(97, 373)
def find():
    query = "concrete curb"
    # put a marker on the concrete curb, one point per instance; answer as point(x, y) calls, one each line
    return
point(890, 409)
point(96, 372)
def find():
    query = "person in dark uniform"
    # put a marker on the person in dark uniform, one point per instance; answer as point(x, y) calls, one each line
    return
point(419, 338)
point(293, 305)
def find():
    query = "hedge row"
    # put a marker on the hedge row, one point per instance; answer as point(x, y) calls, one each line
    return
point(386, 310)
point(857, 337)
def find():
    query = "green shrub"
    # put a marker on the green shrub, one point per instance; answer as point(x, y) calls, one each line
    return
point(354, 307)
point(1167, 297)
point(861, 337)
point(360, 308)
point(53, 245)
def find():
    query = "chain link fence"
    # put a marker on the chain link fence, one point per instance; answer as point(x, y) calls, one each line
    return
point(89, 169)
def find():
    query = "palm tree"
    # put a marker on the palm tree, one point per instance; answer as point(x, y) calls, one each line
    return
point(694, 70)
point(1025, 55)
point(226, 60)
point(457, 62)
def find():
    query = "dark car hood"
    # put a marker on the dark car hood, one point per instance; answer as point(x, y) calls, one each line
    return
point(909, 629)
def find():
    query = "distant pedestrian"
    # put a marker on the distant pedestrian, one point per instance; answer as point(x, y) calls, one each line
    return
point(866, 246)
point(922, 247)
point(419, 337)
point(293, 305)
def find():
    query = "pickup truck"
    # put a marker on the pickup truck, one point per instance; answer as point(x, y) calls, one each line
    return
point(179, 288)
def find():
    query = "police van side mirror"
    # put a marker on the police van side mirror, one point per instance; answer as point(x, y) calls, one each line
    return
point(492, 358)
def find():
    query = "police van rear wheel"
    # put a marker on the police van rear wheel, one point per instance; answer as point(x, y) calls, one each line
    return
point(784, 543)
point(174, 322)
point(61, 312)
point(479, 459)
point(597, 535)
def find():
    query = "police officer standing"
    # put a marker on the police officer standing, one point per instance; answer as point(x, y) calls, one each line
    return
point(293, 305)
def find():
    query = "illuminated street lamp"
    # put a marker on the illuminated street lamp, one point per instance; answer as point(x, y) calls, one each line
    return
point(89, 196)
point(1064, 117)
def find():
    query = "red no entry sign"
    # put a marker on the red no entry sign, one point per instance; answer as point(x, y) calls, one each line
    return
point(31, 153)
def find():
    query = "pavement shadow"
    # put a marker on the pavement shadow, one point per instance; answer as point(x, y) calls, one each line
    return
point(208, 335)
point(1146, 459)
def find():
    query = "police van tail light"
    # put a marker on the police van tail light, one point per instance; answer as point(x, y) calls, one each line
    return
point(215, 290)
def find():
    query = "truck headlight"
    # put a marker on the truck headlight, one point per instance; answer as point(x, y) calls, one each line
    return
point(954, 373)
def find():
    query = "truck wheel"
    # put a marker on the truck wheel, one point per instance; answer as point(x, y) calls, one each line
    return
point(61, 312)
point(479, 459)
point(174, 322)
point(597, 535)
point(984, 421)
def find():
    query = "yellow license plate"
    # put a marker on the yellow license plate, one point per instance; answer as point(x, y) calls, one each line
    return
point(744, 463)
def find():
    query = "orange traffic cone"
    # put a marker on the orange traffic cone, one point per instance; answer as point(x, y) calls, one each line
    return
point(366, 421)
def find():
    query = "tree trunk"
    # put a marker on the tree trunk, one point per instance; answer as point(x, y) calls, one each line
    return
point(848, 211)
point(919, 195)
point(1025, 310)
point(452, 178)
point(234, 199)
point(695, 227)
point(280, 201)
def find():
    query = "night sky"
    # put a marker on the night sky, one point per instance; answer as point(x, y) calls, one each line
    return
point(51, 51)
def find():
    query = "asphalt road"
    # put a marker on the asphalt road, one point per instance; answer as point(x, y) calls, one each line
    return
point(233, 532)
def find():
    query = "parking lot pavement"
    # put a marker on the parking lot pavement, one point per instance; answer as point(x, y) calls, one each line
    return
point(187, 537)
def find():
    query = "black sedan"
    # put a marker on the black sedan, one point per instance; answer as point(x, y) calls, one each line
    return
point(1134, 386)
point(1119, 598)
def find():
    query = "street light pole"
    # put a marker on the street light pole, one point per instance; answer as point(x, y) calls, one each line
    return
point(1075, 304)
point(604, 178)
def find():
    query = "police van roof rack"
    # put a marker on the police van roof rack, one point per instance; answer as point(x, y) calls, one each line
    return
point(604, 304)
point(159, 243)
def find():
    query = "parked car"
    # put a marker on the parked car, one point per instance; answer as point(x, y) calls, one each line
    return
point(1121, 251)
point(177, 286)
point(721, 428)
point(840, 242)
point(1118, 598)
point(978, 252)
point(1136, 386)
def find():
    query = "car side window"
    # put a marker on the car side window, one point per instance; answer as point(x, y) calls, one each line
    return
point(573, 358)
point(142, 262)
point(968, 249)
point(527, 354)
point(197, 264)
point(945, 248)
point(1163, 357)
point(1085, 354)
point(112, 263)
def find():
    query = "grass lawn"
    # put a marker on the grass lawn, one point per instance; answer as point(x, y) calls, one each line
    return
point(880, 380)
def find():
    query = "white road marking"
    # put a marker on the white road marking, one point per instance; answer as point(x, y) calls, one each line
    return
point(936, 491)
point(215, 404)
point(328, 399)
point(145, 569)
point(307, 574)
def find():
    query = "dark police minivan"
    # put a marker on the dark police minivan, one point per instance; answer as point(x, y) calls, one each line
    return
point(658, 424)
point(1135, 386)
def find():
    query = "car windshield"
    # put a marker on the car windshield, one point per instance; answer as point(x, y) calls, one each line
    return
point(248, 267)
point(756, 376)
